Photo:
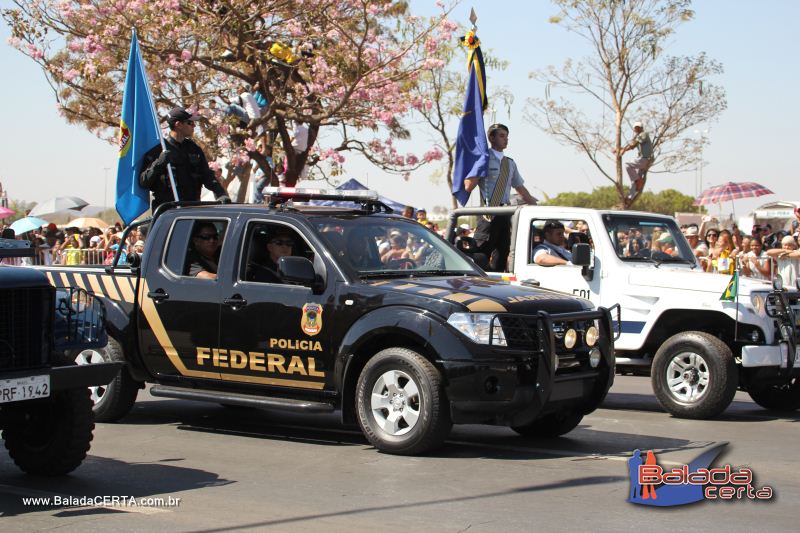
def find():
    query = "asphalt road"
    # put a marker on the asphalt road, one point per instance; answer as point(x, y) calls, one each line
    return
point(239, 469)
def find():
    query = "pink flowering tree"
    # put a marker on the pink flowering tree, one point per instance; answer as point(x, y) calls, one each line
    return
point(345, 64)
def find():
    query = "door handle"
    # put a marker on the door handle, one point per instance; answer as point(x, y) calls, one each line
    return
point(158, 295)
point(235, 301)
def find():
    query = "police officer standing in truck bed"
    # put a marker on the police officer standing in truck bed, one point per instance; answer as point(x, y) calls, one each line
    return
point(189, 164)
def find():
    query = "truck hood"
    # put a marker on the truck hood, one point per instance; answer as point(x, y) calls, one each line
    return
point(691, 280)
point(478, 294)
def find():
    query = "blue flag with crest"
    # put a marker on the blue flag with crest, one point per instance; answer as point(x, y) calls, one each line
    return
point(139, 132)
point(472, 150)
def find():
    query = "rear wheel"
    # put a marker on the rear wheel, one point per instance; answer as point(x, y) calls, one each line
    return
point(694, 375)
point(115, 400)
point(782, 398)
point(55, 436)
point(552, 425)
point(401, 405)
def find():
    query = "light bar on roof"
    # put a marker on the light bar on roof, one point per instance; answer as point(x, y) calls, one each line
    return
point(303, 193)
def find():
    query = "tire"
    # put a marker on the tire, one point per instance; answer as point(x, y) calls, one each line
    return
point(115, 400)
point(550, 426)
point(781, 398)
point(694, 375)
point(57, 435)
point(401, 405)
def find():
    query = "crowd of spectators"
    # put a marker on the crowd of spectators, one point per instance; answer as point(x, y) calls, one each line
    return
point(761, 254)
point(76, 246)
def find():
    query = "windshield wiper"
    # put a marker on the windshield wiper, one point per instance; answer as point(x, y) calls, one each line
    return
point(385, 274)
point(419, 273)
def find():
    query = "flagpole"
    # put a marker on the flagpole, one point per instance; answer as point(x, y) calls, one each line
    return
point(155, 115)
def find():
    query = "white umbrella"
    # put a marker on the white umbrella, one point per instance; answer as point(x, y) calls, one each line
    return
point(57, 205)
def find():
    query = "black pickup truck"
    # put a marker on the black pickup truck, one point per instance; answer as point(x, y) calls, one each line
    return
point(319, 308)
point(45, 408)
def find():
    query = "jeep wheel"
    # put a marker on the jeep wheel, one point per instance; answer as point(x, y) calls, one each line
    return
point(782, 398)
point(56, 435)
point(694, 375)
point(552, 425)
point(115, 400)
point(401, 404)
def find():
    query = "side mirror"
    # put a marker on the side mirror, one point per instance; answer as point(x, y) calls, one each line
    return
point(297, 271)
point(582, 257)
point(581, 254)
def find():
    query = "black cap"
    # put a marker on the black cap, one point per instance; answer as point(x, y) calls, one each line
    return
point(553, 224)
point(179, 114)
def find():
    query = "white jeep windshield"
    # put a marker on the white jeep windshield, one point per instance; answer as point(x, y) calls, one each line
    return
point(642, 238)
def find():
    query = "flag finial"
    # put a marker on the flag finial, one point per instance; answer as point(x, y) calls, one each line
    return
point(473, 18)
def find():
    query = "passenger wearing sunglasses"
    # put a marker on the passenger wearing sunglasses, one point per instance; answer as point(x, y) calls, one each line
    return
point(189, 164)
point(281, 243)
point(204, 253)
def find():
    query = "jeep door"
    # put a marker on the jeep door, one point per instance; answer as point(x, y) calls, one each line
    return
point(280, 333)
point(566, 278)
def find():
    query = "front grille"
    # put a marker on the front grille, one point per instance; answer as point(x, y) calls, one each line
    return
point(523, 332)
point(25, 327)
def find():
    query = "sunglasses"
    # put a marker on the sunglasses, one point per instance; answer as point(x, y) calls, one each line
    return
point(208, 237)
point(189, 122)
point(712, 235)
point(279, 242)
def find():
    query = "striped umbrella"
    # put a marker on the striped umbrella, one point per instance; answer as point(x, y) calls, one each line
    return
point(731, 191)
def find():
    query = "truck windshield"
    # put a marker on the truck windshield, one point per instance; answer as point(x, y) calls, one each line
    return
point(642, 238)
point(390, 246)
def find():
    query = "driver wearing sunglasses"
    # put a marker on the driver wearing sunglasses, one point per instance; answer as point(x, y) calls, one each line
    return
point(281, 243)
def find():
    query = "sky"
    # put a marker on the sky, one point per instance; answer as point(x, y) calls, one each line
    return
point(42, 156)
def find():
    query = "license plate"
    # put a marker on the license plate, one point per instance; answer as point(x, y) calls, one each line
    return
point(20, 389)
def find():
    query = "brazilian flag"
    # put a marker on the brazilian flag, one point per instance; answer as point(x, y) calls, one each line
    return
point(729, 295)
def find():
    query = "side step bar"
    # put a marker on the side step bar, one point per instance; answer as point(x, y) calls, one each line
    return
point(245, 400)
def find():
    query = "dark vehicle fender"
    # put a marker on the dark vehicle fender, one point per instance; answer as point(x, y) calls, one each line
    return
point(386, 327)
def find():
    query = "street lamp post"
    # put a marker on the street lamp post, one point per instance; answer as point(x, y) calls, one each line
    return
point(699, 175)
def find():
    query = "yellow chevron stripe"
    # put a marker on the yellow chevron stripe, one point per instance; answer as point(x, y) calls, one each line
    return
point(406, 286)
point(51, 278)
point(151, 315)
point(434, 292)
point(485, 305)
point(125, 288)
point(79, 280)
point(108, 282)
point(65, 280)
point(95, 284)
point(460, 297)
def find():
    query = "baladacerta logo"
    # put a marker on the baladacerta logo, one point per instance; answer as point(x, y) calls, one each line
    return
point(654, 485)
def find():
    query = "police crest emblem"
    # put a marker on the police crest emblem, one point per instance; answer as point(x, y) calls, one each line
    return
point(311, 323)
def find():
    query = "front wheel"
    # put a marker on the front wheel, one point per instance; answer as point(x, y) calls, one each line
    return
point(550, 426)
point(694, 375)
point(401, 404)
point(782, 398)
point(55, 436)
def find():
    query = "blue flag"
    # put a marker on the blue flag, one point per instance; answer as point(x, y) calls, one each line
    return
point(138, 133)
point(472, 150)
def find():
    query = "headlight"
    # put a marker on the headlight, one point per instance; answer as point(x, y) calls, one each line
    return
point(477, 326)
point(570, 338)
point(758, 300)
point(592, 335)
point(594, 357)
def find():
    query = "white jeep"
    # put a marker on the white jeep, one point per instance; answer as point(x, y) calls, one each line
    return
point(697, 347)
